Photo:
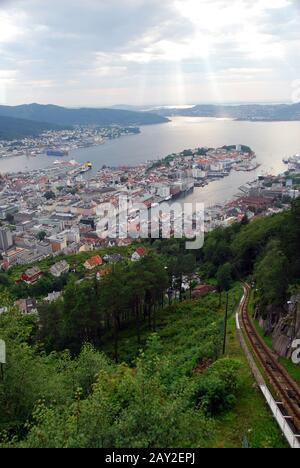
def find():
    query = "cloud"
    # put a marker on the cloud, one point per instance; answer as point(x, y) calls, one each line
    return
point(10, 29)
point(97, 52)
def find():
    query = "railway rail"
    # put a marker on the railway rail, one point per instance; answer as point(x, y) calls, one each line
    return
point(286, 389)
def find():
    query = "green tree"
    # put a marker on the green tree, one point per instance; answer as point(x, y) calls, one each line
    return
point(113, 300)
point(127, 408)
point(50, 195)
point(10, 218)
point(31, 376)
point(224, 277)
point(81, 315)
point(41, 235)
point(271, 275)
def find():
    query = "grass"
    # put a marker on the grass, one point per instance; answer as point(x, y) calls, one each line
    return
point(251, 418)
point(185, 330)
point(195, 321)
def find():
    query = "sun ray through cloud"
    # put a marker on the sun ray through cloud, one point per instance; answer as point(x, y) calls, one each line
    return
point(184, 45)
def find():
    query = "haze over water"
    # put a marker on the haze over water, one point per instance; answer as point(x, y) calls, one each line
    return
point(272, 141)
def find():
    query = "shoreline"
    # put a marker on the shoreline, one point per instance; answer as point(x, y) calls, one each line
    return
point(43, 154)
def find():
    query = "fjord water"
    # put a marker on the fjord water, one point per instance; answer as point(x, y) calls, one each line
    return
point(272, 141)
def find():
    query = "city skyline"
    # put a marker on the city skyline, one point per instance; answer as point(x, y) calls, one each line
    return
point(147, 53)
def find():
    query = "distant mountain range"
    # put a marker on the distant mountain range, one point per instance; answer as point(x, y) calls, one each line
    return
point(84, 116)
point(250, 112)
point(33, 119)
point(13, 129)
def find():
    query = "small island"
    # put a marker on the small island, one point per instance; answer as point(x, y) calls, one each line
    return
point(203, 165)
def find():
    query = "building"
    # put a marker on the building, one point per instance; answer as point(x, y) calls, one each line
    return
point(24, 226)
point(73, 235)
point(138, 254)
point(103, 272)
point(93, 262)
point(114, 258)
point(27, 306)
point(6, 239)
point(198, 173)
point(60, 269)
point(52, 297)
point(255, 201)
point(6, 210)
point(16, 256)
point(58, 243)
point(202, 290)
point(164, 191)
point(31, 276)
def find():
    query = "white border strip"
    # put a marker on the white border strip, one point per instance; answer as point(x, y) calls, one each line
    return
point(281, 420)
point(292, 438)
point(238, 326)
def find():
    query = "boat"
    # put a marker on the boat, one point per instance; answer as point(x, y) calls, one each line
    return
point(57, 152)
point(292, 160)
point(86, 167)
point(73, 163)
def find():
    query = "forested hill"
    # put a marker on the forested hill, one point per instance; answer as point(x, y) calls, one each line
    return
point(266, 249)
point(180, 391)
point(252, 112)
point(14, 128)
point(84, 116)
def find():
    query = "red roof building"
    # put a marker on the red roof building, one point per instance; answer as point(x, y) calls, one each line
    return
point(138, 254)
point(201, 290)
point(31, 276)
point(93, 262)
point(103, 272)
point(141, 251)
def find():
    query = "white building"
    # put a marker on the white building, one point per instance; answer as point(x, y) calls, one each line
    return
point(6, 239)
point(198, 174)
point(60, 269)
point(164, 191)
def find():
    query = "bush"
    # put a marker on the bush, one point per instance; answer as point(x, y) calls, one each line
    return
point(215, 390)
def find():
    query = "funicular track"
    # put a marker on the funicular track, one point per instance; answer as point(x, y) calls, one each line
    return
point(286, 389)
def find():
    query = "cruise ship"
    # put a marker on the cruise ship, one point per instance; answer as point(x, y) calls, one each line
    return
point(86, 167)
point(292, 160)
point(58, 153)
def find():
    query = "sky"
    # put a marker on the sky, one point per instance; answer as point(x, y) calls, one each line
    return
point(149, 52)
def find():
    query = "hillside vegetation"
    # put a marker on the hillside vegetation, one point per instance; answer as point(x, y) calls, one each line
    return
point(179, 391)
point(65, 385)
point(17, 128)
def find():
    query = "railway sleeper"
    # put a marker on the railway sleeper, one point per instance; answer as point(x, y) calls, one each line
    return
point(271, 365)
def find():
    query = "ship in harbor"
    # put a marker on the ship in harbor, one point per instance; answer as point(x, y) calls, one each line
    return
point(58, 153)
point(292, 160)
point(88, 166)
point(81, 168)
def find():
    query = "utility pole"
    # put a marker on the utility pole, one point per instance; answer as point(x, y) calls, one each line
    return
point(225, 323)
